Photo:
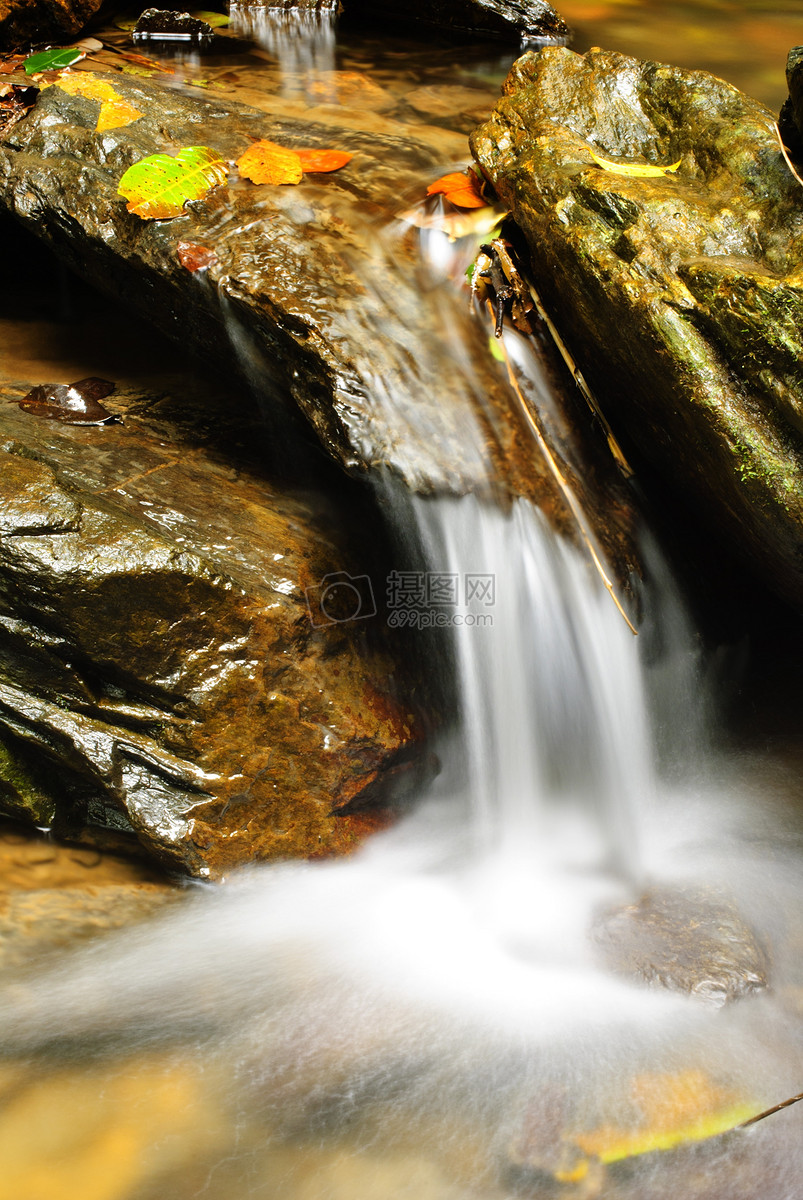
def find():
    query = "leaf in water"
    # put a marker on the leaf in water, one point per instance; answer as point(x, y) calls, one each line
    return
point(669, 1111)
point(265, 162)
point(141, 72)
point(73, 403)
point(51, 60)
point(642, 170)
point(115, 112)
point(195, 257)
point(321, 161)
point(216, 19)
point(158, 187)
point(460, 188)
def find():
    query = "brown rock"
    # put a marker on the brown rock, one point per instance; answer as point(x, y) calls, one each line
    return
point(25, 21)
point(687, 942)
point(679, 294)
point(160, 670)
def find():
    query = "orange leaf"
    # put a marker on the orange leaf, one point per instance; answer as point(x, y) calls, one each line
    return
point(323, 160)
point(265, 162)
point(459, 188)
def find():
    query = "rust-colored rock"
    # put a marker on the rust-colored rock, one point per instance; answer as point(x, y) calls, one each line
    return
point(160, 670)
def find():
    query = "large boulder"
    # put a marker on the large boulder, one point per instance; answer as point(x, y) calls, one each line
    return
point(680, 294)
point(523, 20)
point(25, 21)
point(326, 305)
point(161, 669)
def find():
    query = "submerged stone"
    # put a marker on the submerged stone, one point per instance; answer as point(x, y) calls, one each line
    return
point(680, 293)
point(686, 942)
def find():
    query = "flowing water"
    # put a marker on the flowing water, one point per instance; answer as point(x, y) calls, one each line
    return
point(433, 1017)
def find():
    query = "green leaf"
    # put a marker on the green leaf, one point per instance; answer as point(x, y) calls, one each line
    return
point(158, 187)
point(51, 60)
point(216, 19)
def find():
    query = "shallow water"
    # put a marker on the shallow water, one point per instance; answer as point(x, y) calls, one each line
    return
point(430, 1019)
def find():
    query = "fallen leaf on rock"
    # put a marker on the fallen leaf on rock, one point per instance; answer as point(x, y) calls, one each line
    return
point(195, 257)
point(265, 162)
point(115, 112)
point(51, 60)
point(321, 161)
point(459, 188)
point(73, 403)
point(641, 170)
point(158, 187)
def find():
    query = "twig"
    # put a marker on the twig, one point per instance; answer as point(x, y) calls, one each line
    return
point(776, 1107)
point(785, 153)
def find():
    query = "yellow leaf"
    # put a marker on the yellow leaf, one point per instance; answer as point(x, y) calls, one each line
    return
point(642, 170)
point(115, 112)
point(669, 1110)
point(265, 162)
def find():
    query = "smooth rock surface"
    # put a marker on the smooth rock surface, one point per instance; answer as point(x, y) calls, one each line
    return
point(159, 668)
point(680, 295)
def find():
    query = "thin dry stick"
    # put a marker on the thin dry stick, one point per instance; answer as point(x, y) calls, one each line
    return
point(776, 1107)
point(784, 152)
point(563, 484)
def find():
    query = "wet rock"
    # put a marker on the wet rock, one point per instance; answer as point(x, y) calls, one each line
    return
point(160, 672)
point(687, 942)
point(26, 22)
point(790, 120)
point(680, 295)
point(304, 296)
point(164, 25)
point(527, 20)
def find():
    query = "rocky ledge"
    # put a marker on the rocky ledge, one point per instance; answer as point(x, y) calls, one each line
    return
point(679, 291)
point(161, 671)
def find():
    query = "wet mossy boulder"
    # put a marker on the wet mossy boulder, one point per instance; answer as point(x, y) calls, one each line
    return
point(680, 294)
point(161, 670)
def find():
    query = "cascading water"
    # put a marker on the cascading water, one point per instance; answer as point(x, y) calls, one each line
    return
point(431, 1017)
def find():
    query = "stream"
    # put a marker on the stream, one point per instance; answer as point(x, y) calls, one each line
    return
point(452, 1012)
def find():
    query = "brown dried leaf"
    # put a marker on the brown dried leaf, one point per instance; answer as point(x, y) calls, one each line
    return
point(72, 404)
